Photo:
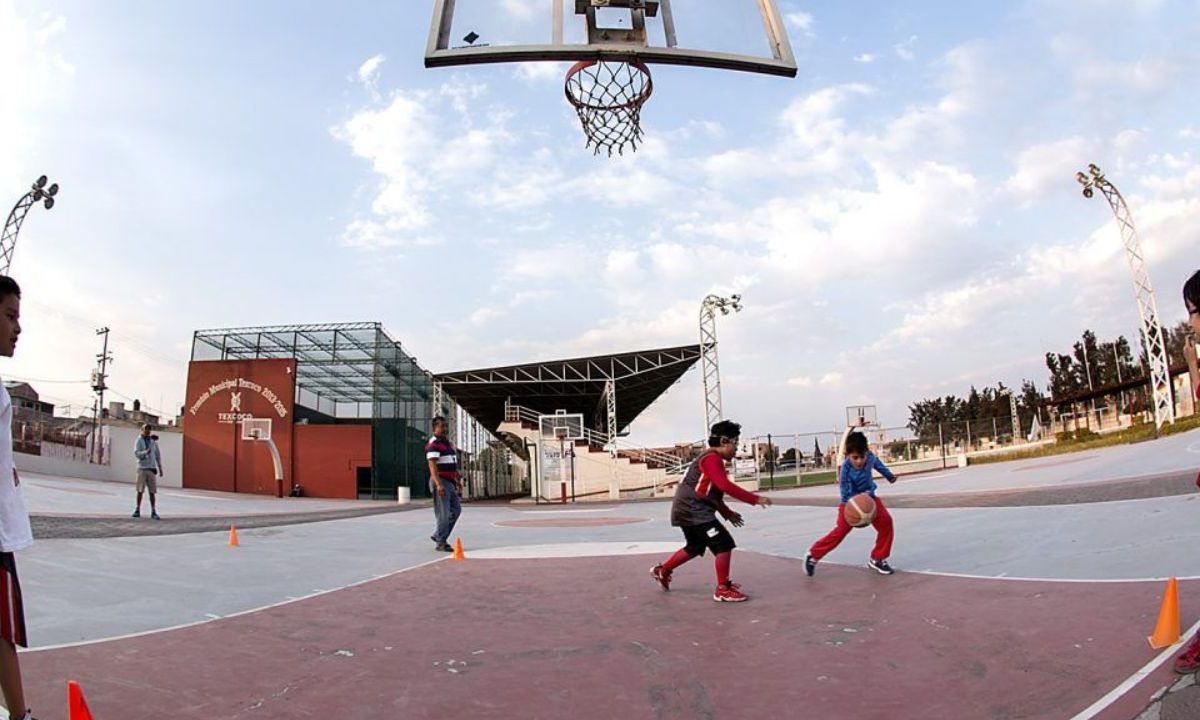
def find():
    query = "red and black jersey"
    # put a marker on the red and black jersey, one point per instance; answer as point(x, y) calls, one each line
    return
point(441, 450)
point(701, 492)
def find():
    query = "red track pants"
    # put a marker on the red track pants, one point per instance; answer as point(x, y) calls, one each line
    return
point(882, 525)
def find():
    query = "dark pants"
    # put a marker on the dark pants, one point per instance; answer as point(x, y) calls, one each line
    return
point(446, 508)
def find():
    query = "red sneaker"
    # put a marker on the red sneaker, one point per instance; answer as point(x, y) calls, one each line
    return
point(1189, 661)
point(729, 592)
point(662, 575)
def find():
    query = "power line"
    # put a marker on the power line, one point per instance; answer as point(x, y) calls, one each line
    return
point(44, 380)
point(139, 346)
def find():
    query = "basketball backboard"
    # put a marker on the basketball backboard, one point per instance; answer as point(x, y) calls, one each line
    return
point(256, 429)
point(746, 35)
point(561, 426)
point(861, 416)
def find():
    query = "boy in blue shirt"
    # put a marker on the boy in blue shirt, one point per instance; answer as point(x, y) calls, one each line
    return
point(854, 477)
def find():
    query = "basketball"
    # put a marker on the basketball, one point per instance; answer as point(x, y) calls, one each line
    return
point(860, 510)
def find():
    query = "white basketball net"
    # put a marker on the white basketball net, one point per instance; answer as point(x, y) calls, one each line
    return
point(608, 96)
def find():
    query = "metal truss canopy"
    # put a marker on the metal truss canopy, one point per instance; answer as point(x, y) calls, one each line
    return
point(633, 381)
point(342, 363)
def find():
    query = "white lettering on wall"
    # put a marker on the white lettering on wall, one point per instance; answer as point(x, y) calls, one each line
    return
point(241, 384)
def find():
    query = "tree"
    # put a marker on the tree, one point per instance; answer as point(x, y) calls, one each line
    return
point(1175, 338)
point(950, 414)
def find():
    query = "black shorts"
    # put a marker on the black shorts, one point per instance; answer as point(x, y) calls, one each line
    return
point(711, 535)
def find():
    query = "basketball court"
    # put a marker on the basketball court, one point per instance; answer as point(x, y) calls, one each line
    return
point(1032, 612)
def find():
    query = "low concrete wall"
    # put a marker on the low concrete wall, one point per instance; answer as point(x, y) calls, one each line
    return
point(122, 465)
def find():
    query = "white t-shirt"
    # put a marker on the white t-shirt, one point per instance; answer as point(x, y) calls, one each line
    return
point(15, 533)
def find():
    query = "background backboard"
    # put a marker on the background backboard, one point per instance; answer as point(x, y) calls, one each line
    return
point(861, 416)
point(561, 426)
point(747, 35)
point(256, 429)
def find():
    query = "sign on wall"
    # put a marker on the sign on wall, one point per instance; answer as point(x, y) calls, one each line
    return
point(220, 395)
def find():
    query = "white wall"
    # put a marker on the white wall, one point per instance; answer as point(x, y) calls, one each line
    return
point(122, 465)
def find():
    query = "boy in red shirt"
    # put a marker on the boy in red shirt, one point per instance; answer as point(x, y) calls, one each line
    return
point(698, 499)
point(1189, 661)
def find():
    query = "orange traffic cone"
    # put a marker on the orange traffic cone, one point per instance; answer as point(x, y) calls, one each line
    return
point(1166, 632)
point(233, 541)
point(458, 551)
point(77, 708)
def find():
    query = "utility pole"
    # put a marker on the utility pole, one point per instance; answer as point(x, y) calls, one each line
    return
point(1087, 365)
point(1121, 396)
point(99, 385)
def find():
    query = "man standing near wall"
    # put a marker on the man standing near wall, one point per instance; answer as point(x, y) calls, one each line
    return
point(443, 483)
point(149, 468)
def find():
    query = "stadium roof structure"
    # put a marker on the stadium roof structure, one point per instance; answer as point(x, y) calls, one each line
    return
point(578, 385)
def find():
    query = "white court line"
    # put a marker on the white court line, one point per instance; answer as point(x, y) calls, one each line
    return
point(1002, 576)
point(920, 478)
point(211, 619)
point(561, 512)
point(1102, 704)
point(1194, 447)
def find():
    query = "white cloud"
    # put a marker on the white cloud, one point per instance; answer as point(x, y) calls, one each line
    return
point(801, 382)
point(34, 75)
point(425, 144)
point(549, 263)
point(815, 119)
point(368, 74)
point(866, 58)
point(484, 315)
point(832, 379)
point(1047, 166)
point(905, 50)
point(396, 139)
point(520, 9)
point(801, 21)
point(540, 72)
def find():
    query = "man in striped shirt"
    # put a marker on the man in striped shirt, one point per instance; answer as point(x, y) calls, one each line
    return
point(443, 483)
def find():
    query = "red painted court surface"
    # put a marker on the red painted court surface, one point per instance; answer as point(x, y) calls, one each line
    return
point(595, 638)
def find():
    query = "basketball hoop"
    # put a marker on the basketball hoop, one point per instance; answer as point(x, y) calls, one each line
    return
point(608, 96)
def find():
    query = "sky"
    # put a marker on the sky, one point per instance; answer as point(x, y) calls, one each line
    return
point(901, 218)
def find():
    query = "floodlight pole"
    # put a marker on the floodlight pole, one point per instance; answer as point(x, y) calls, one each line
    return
point(708, 353)
point(1152, 333)
point(12, 227)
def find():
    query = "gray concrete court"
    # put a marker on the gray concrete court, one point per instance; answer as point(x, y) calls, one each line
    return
point(90, 589)
point(51, 495)
point(1170, 454)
